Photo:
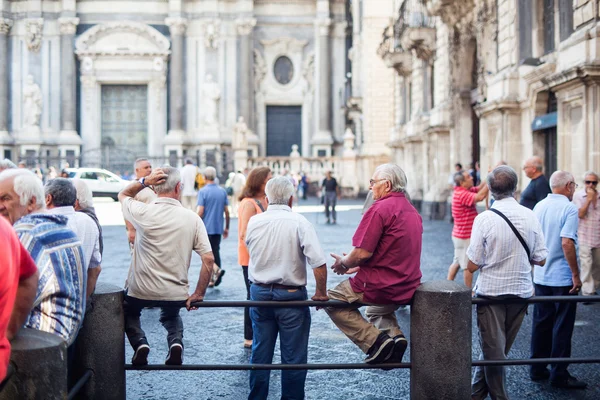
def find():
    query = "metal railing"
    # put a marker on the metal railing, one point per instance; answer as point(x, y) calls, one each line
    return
point(79, 384)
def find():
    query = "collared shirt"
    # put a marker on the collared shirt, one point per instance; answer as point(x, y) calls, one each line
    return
point(281, 243)
point(589, 226)
point(86, 230)
point(392, 230)
point(536, 191)
point(559, 219)
point(166, 234)
point(59, 303)
point(214, 199)
point(188, 178)
point(504, 268)
point(464, 211)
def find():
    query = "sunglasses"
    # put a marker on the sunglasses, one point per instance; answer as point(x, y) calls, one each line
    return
point(591, 182)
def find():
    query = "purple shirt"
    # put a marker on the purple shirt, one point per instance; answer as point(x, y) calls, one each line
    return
point(392, 230)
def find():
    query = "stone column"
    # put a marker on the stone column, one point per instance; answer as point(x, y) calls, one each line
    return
point(246, 70)
point(5, 25)
point(323, 40)
point(68, 26)
point(177, 28)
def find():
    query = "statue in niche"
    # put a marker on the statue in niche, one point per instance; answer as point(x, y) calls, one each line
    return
point(240, 135)
point(211, 96)
point(32, 104)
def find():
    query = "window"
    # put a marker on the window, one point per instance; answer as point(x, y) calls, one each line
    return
point(89, 175)
point(525, 31)
point(8, 154)
point(565, 9)
point(548, 25)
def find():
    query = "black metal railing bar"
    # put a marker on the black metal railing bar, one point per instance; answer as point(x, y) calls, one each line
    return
point(256, 367)
point(79, 384)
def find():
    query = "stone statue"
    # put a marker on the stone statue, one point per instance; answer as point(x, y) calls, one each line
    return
point(240, 138)
point(212, 95)
point(32, 104)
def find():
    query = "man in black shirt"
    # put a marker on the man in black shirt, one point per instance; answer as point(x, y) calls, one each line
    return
point(539, 187)
point(332, 193)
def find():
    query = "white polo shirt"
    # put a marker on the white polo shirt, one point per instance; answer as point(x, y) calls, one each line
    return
point(280, 244)
point(166, 234)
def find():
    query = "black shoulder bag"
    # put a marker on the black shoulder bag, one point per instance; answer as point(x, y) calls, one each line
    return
point(515, 231)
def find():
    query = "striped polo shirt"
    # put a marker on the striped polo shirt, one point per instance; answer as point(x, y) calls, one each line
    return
point(464, 211)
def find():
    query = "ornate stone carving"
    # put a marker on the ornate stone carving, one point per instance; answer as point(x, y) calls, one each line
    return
point(32, 105)
point(157, 86)
point(285, 45)
point(451, 11)
point(260, 70)
point(68, 26)
point(177, 25)
point(5, 25)
point(211, 29)
point(240, 131)
point(308, 71)
point(245, 25)
point(211, 96)
point(323, 26)
point(34, 28)
point(87, 64)
point(339, 29)
point(88, 83)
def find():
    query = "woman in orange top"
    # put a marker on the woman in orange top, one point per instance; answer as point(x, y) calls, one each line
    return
point(252, 201)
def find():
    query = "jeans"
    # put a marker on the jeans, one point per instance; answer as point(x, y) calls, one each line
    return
point(169, 318)
point(330, 200)
point(247, 321)
point(293, 327)
point(215, 244)
point(552, 331)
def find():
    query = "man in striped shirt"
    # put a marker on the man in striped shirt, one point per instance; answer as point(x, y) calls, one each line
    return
point(464, 211)
point(505, 272)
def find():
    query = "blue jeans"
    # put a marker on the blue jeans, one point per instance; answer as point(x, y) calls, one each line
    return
point(293, 327)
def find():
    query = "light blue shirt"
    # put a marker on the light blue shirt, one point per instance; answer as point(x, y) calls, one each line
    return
point(214, 199)
point(559, 219)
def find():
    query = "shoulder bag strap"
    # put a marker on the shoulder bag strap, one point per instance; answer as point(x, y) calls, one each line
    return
point(514, 230)
point(259, 204)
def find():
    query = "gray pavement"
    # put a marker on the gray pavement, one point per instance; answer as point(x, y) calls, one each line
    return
point(215, 336)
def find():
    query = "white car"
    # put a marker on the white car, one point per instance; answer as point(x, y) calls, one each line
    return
point(102, 182)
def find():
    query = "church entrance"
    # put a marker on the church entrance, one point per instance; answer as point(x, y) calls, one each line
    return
point(284, 129)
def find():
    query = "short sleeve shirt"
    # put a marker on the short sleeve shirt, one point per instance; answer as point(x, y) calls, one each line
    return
point(464, 211)
point(559, 219)
point(589, 225)
point(392, 230)
point(214, 199)
point(536, 191)
point(330, 185)
point(166, 234)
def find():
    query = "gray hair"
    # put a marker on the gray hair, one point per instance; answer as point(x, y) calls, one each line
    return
point(584, 175)
point(6, 164)
point(173, 178)
point(459, 177)
point(139, 160)
point(62, 191)
point(26, 185)
point(84, 193)
point(394, 174)
point(210, 173)
point(279, 190)
point(560, 179)
point(502, 182)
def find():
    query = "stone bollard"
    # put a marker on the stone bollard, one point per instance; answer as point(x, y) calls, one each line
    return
point(440, 342)
point(40, 362)
point(100, 346)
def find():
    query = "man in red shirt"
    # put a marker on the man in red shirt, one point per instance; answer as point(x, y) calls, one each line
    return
point(464, 211)
point(18, 286)
point(386, 259)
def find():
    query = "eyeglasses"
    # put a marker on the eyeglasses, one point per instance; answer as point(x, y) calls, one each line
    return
point(374, 181)
point(574, 184)
point(591, 183)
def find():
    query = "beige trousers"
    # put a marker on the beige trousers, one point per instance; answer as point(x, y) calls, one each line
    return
point(381, 318)
point(189, 202)
point(589, 259)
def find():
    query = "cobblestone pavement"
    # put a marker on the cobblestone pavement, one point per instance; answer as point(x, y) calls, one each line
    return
point(214, 336)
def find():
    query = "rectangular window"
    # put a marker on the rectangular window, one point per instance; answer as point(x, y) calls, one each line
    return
point(425, 71)
point(548, 23)
point(525, 29)
point(8, 154)
point(565, 8)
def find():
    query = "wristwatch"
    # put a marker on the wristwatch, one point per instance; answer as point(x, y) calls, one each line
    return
point(142, 182)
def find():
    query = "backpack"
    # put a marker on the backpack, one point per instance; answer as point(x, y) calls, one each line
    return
point(199, 181)
point(229, 191)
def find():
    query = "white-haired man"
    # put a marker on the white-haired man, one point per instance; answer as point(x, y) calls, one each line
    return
point(386, 259)
point(166, 235)
point(553, 323)
point(586, 201)
point(60, 299)
point(142, 168)
point(6, 164)
point(280, 244)
point(505, 272)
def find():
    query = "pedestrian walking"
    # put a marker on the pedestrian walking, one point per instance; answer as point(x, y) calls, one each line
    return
point(331, 193)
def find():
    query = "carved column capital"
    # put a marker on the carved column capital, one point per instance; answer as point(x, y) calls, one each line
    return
point(323, 26)
point(177, 25)
point(245, 25)
point(5, 25)
point(339, 29)
point(34, 29)
point(68, 26)
point(211, 29)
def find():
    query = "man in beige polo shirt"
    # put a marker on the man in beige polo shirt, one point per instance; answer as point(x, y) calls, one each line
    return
point(166, 234)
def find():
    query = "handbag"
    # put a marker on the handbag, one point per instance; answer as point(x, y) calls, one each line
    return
point(515, 231)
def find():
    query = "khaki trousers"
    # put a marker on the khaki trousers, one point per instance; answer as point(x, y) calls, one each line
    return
point(381, 318)
point(590, 269)
point(189, 202)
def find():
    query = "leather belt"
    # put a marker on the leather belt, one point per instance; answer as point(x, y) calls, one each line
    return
point(277, 286)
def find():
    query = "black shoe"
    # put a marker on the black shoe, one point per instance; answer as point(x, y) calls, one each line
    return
point(569, 383)
point(381, 350)
point(175, 356)
point(219, 276)
point(400, 345)
point(140, 355)
point(328, 221)
point(543, 375)
point(587, 303)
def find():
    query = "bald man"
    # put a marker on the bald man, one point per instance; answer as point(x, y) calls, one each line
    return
point(538, 188)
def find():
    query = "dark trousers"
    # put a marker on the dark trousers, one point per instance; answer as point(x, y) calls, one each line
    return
point(330, 201)
point(552, 331)
point(215, 244)
point(169, 318)
point(248, 333)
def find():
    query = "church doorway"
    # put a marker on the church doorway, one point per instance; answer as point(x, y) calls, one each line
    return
point(284, 129)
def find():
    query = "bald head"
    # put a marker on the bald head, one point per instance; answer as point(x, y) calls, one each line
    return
point(533, 167)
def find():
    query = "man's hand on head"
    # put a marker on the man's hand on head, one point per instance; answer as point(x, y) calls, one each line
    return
point(156, 177)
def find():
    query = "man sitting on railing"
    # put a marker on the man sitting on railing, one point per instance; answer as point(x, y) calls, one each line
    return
point(504, 263)
point(280, 244)
point(387, 259)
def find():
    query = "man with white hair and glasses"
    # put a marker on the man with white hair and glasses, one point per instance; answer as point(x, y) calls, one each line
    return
point(586, 200)
point(281, 243)
point(553, 323)
point(166, 234)
point(387, 261)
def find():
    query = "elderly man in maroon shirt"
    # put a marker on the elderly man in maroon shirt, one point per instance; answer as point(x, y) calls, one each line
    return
point(386, 259)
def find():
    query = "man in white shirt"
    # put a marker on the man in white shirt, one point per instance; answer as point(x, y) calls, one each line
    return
point(142, 168)
point(188, 178)
point(166, 235)
point(61, 196)
point(280, 244)
point(505, 272)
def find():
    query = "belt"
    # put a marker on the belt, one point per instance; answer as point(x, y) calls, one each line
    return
point(277, 286)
